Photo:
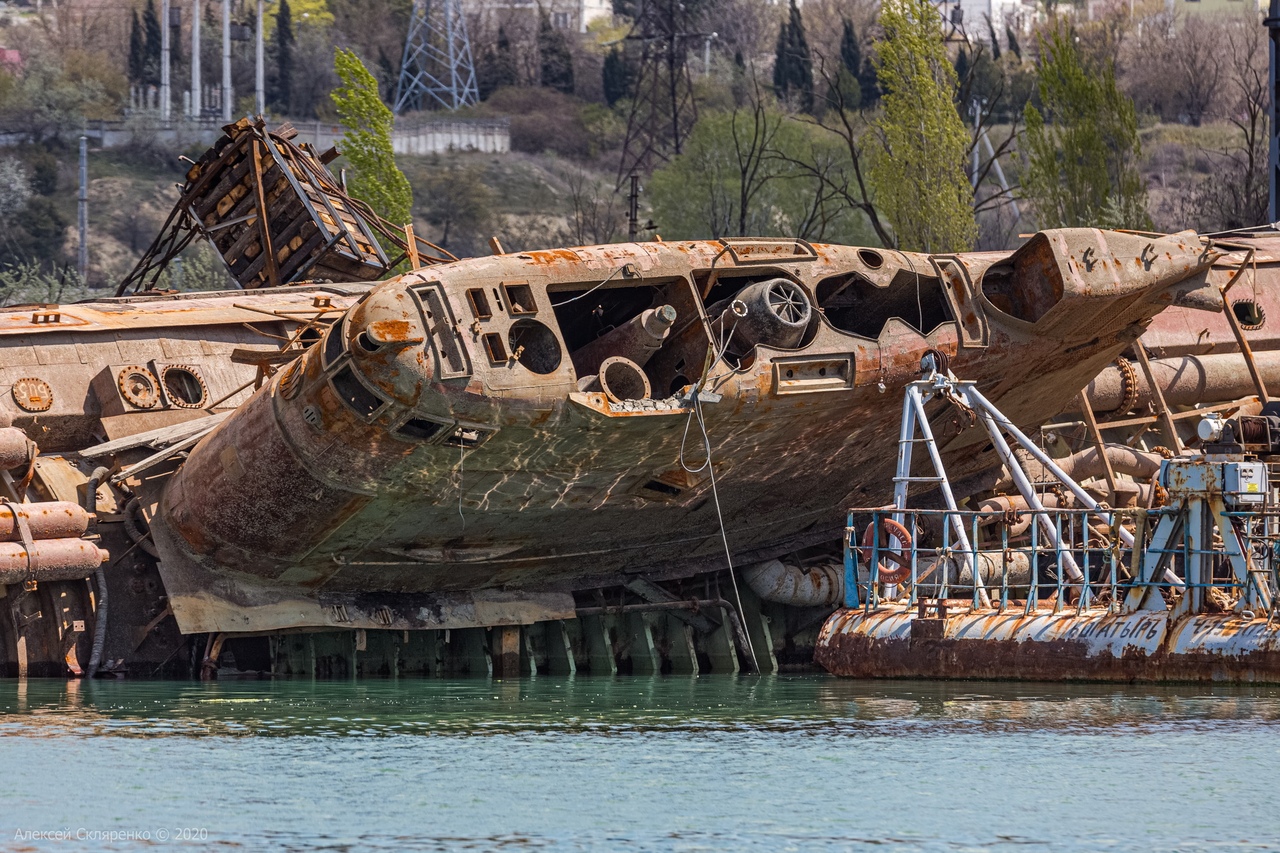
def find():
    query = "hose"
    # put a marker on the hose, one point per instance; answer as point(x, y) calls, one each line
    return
point(99, 575)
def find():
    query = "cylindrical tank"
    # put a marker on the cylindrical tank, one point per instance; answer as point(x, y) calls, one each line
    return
point(47, 520)
point(777, 313)
point(14, 448)
point(637, 339)
point(56, 560)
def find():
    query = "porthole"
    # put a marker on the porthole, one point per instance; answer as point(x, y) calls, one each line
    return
point(1249, 313)
point(352, 392)
point(872, 260)
point(535, 346)
point(184, 387)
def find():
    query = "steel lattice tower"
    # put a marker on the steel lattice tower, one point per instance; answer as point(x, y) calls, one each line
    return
point(437, 69)
point(663, 111)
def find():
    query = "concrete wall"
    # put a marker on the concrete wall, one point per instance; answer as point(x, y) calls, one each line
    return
point(490, 136)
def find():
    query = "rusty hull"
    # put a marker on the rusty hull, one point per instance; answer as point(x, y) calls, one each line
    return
point(892, 641)
point(435, 444)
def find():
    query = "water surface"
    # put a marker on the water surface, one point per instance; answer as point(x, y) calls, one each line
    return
point(668, 763)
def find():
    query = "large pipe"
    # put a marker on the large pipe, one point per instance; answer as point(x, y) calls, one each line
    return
point(46, 520)
point(1184, 381)
point(1087, 464)
point(820, 585)
point(56, 560)
point(637, 339)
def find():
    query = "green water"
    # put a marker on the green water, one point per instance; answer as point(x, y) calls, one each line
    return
point(688, 764)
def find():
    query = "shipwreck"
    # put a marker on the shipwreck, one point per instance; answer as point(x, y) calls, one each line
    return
point(634, 456)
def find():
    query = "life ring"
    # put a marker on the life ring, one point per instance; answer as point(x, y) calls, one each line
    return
point(893, 528)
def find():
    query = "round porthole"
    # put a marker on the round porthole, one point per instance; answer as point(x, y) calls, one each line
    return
point(184, 386)
point(138, 387)
point(534, 346)
point(32, 395)
point(1249, 313)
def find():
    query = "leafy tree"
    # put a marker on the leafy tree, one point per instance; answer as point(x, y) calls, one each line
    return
point(554, 56)
point(753, 171)
point(151, 42)
point(919, 179)
point(137, 51)
point(367, 142)
point(284, 57)
point(793, 64)
point(458, 203)
point(617, 76)
point(1083, 149)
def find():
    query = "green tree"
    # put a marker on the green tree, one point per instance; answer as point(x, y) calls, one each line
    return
point(1083, 149)
point(793, 64)
point(617, 76)
point(849, 96)
point(137, 51)
point(752, 172)
point(151, 42)
point(284, 57)
point(918, 179)
point(367, 141)
point(555, 58)
point(497, 68)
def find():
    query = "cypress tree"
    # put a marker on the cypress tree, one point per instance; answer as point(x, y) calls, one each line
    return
point(151, 41)
point(962, 65)
point(617, 76)
point(284, 57)
point(793, 65)
point(137, 51)
point(850, 50)
point(1014, 47)
point(995, 42)
point(557, 62)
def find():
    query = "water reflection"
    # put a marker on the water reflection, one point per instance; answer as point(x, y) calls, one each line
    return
point(611, 706)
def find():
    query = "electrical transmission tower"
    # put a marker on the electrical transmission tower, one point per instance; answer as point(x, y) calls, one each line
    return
point(662, 110)
point(437, 69)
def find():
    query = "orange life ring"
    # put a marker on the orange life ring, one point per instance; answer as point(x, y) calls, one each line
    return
point(893, 528)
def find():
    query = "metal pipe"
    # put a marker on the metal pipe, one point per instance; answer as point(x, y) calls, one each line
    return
point(82, 210)
point(45, 520)
point(100, 576)
point(226, 95)
point(259, 78)
point(196, 107)
point(820, 585)
point(1185, 381)
point(165, 95)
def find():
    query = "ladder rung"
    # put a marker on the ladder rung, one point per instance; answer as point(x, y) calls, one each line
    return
point(919, 479)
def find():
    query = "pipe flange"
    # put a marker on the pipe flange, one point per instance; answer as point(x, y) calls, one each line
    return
point(1128, 385)
point(138, 387)
point(32, 394)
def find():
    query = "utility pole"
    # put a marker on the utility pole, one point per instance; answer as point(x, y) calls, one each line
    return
point(1273, 26)
point(83, 211)
point(633, 209)
point(259, 83)
point(227, 97)
point(165, 98)
point(195, 60)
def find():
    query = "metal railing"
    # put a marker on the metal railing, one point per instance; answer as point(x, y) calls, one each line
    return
point(1019, 566)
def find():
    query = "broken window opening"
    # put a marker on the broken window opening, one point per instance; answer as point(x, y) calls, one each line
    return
point(419, 429)
point(854, 304)
point(352, 392)
point(645, 323)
